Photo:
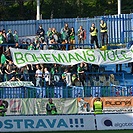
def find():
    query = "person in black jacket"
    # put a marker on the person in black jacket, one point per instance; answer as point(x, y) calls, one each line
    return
point(3, 107)
point(104, 35)
point(93, 33)
point(51, 108)
point(41, 34)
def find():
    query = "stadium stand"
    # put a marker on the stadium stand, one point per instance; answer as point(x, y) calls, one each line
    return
point(98, 77)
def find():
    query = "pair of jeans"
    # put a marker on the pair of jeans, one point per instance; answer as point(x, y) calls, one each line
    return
point(39, 82)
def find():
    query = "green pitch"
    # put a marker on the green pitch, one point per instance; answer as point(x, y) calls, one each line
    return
point(101, 131)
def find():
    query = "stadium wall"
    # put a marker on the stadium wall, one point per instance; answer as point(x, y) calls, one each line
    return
point(119, 27)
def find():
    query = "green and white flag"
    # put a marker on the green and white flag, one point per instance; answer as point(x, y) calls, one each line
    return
point(22, 57)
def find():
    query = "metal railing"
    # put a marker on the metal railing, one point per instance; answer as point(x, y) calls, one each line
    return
point(65, 92)
point(117, 25)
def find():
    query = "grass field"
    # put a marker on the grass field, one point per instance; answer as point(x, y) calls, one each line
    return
point(100, 131)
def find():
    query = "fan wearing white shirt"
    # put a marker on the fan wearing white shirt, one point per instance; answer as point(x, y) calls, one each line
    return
point(38, 76)
point(46, 76)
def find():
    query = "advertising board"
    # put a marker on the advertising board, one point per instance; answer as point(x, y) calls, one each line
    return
point(110, 104)
point(47, 123)
point(114, 121)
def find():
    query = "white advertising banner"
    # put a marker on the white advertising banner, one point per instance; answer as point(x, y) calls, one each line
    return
point(37, 106)
point(16, 83)
point(47, 123)
point(114, 121)
point(21, 57)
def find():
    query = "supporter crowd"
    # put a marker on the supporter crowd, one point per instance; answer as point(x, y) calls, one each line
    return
point(50, 74)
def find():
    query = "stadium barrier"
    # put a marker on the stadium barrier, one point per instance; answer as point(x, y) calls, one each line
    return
point(54, 46)
point(65, 91)
point(68, 46)
point(66, 122)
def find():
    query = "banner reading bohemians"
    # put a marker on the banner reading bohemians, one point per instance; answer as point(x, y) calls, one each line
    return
point(22, 57)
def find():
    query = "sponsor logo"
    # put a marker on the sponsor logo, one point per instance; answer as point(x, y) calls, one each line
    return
point(108, 123)
point(118, 103)
point(125, 124)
